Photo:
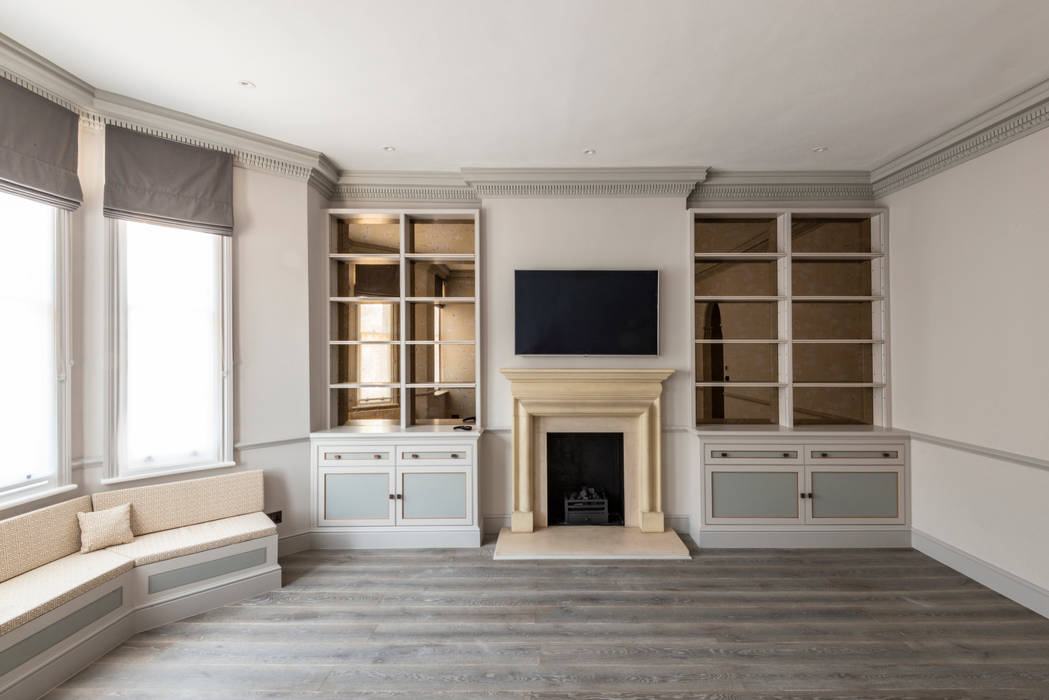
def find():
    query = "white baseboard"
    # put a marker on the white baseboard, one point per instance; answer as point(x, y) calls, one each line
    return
point(1030, 595)
point(396, 539)
point(293, 544)
point(802, 539)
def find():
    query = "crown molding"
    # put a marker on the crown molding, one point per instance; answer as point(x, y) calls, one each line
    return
point(584, 182)
point(1015, 118)
point(403, 188)
point(783, 186)
point(98, 108)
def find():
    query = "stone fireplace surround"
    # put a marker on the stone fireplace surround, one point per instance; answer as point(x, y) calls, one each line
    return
point(588, 400)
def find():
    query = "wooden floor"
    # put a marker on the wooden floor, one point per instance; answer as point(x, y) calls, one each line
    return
point(731, 624)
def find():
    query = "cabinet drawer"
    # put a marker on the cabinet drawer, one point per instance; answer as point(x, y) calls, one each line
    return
point(753, 454)
point(434, 454)
point(348, 455)
point(855, 454)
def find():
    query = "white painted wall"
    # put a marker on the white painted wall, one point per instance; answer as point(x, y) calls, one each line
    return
point(271, 342)
point(969, 336)
point(620, 233)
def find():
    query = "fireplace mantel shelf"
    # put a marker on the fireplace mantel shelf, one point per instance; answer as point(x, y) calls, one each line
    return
point(619, 395)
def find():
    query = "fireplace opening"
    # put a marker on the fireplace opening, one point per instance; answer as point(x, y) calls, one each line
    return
point(584, 478)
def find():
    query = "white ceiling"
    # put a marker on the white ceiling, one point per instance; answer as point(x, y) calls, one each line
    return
point(733, 84)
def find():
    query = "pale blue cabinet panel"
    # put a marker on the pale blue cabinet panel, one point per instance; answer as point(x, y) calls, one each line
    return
point(434, 496)
point(755, 495)
point(357, 497)
point(856, 494)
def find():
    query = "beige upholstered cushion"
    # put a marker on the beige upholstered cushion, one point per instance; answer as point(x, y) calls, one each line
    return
point(180, 503)
point(40, 536)
point(103, 528)
point(158, 546)
point(43, 589)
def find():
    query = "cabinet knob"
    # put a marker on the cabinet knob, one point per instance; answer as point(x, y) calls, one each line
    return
point(415, 456)
point(786, 454)
point(824, 454)
point(400, 497)
point(804, 495)
point(885, 454)
point(455, 456)
point(393, 497)
point(724, 454)
point(337, 457)
point(376, 456)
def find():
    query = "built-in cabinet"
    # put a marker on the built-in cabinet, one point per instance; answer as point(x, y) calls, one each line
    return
point(400, 488)
point(398, 464)
point(811, 486)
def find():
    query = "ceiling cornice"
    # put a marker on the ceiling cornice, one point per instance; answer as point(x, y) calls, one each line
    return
point(736, 186)
point(1015, 118)
point(98, 108)
point(403, 188)
point(584, 182)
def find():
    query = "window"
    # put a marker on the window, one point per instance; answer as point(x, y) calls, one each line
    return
point(33, 357)
point(170, 350)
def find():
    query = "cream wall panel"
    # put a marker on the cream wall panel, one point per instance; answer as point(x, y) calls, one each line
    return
point(989, 508)
point(969, 288)
point(600, 232)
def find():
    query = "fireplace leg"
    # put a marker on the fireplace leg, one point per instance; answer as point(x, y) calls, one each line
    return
point(522, 521)
point(651, 521)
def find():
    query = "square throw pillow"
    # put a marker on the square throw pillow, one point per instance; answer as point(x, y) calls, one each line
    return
point(103, 528)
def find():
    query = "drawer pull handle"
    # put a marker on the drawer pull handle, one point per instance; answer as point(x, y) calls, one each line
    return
point(886, 454)
point(786, 454)
point(337, 457)
point(455, 456)
point(415, 456)
point(724, 454)
point(824, 454)
point(376, 456)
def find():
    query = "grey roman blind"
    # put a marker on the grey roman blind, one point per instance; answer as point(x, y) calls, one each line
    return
point(38, 147)
point(163, 182)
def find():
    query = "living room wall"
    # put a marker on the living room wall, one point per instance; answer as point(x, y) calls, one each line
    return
point(969, 338)
point(574, 233)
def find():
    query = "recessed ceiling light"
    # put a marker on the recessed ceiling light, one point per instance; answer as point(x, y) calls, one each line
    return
point(246, 83)
point(589, 151)
point(819, 149)
point(389, 149)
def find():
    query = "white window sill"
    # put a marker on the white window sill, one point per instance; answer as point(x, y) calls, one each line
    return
point(166, 472)
point(36, 496)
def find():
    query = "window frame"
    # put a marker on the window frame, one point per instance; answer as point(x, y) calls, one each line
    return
point(116, 468)
point(61, 479)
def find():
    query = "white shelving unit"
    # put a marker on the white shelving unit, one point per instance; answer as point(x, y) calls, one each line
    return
point(787, 340)
point(395, 469)
point(405, 305)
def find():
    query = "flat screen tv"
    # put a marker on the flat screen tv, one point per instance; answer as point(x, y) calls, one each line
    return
point(586, 312)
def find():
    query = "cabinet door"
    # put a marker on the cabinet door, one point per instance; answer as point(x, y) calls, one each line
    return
point(856, 495)
point(434, 496)
point(754, 495)
point(357, 496)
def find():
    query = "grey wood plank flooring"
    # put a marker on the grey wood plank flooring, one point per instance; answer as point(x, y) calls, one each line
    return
point(728, 625)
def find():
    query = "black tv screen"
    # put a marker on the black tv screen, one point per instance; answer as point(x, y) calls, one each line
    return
point(586, 312)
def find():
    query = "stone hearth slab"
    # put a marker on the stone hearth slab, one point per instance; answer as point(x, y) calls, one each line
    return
point(589, 542)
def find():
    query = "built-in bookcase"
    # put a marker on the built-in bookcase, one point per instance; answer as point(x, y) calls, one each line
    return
point(404, 314)
point(790, 317)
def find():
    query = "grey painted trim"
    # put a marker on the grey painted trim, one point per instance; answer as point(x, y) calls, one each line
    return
point(208, 569)
point(1028, 594)
point(1002, 455)
point(1015, 118)
point(17, 654)
point(584, 182)
point(783, 186)
point(269, 443)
